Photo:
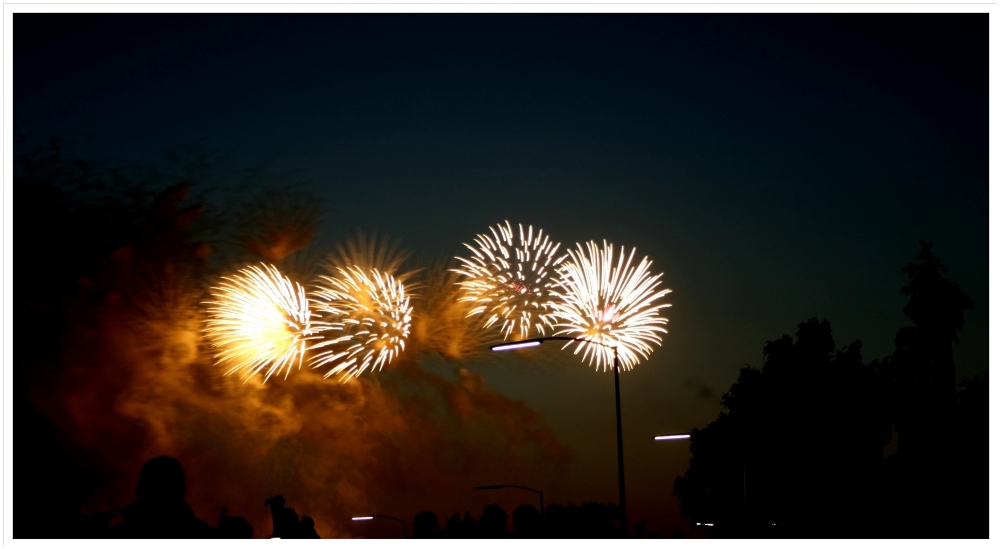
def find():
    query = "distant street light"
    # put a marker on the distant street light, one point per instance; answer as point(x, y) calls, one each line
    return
point(618, 410)
point(541, 495)
point(383, 517)
point(672, 437)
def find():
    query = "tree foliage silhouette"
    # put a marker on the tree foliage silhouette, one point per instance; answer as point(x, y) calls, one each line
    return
point(933, 482)
point(799, 449)
point(801, 441)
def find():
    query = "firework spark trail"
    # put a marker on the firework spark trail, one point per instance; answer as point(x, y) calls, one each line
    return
point(372, 310)
point(259, 319)
point(509, 282)
point(609, 301)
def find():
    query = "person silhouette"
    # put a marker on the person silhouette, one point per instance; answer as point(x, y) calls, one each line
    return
point(493, 522)
point(308, 528)
point(640, 529)
point(284, 519)
point(159, 511)
point(235, 528)
point(426, 526)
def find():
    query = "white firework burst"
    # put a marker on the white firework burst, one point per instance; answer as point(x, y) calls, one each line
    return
point(609, 300)
point(508, 282)
point(367, 318)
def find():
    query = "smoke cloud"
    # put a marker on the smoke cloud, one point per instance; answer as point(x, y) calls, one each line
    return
point(137, 380)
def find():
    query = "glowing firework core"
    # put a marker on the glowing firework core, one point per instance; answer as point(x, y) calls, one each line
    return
point(508, 282)
point(371, 311)
point(260, 320)
point(609, 301)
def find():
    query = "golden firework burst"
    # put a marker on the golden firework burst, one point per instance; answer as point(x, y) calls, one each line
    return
point(611, 301)
point(507, 282)
point(366, 316)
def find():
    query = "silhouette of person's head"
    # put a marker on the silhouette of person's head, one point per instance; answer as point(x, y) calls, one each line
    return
point(493, 522)
point(161, 480)
point(160, 510)
point(425, 525)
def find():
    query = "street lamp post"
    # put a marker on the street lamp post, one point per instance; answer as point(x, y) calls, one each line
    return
point(370, 517)
point(618, 410)
point(541, 495)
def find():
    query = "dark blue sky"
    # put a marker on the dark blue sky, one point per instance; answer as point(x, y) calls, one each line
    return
point(774, 167)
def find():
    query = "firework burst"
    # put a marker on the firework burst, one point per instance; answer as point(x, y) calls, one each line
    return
point(260, 320)
point(611, 301)
point(366, 318)
point(508, 282)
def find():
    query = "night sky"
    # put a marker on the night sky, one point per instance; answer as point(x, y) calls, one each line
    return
point(773, 167)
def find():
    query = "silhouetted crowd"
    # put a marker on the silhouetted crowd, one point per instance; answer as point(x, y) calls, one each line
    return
point(161, 512)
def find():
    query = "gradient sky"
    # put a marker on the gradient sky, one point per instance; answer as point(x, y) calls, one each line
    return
point(774, 168)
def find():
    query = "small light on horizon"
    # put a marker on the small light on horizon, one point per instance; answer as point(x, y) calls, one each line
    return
point(672, 437)
point(509, 346)
point(362, 518)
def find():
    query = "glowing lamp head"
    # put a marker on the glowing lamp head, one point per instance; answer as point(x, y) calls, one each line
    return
point(362, 518)
point(518, 345)
point(672, 437)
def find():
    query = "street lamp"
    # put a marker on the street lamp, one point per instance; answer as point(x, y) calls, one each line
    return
point(618, 409)
point(541, 495)
point(383, 517)
point(672, 437)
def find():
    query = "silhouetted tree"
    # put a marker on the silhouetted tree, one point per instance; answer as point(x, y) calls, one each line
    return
point(925, 483)
point(798, 451)
point(527, 522)
point(922, 368)
point(800, 445)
